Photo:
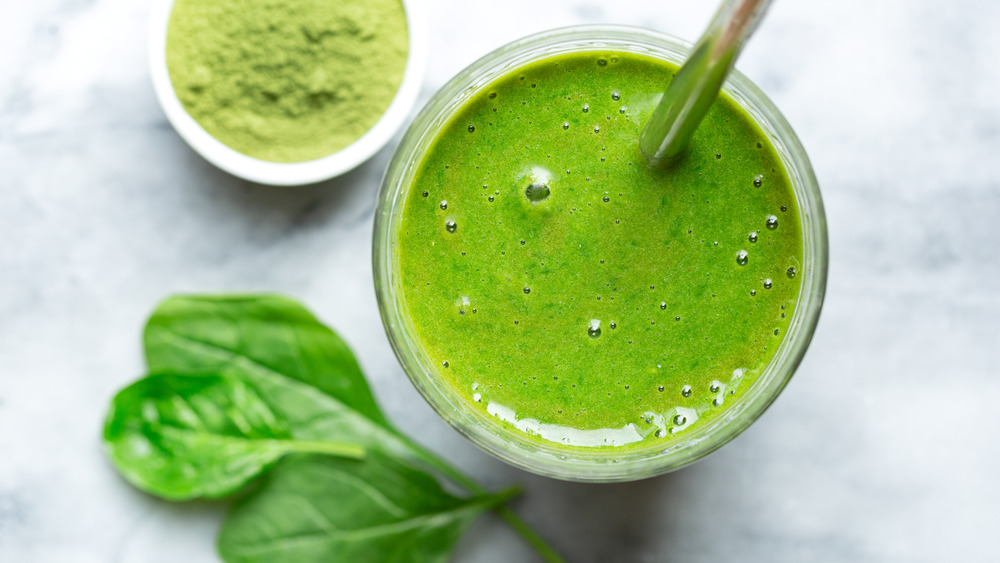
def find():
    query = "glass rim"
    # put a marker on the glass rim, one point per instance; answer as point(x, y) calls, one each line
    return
point(600, 465)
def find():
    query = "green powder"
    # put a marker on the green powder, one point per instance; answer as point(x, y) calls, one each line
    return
point(287, 80)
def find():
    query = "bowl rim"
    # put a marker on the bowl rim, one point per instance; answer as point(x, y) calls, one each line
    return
point(288, 173)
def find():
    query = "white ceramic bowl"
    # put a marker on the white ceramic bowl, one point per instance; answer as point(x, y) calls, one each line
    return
point(288, 173)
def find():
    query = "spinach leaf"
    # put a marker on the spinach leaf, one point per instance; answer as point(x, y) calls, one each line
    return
point(320, 509)
point(273, 343)
point(264, 378)
point(182, 436)
point(261, 333)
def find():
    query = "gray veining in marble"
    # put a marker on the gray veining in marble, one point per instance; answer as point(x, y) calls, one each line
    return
point(882, 448)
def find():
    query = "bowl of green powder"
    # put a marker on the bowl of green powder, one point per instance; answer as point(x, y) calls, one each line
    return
point(287, 92)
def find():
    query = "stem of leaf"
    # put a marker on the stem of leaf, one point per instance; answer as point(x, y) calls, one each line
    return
point(548, 553)
point(339, 449)
point(503, 496)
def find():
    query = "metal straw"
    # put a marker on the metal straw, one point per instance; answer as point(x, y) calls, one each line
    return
point(696, 85)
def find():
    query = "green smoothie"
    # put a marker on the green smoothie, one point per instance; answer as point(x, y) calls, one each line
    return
point(575, 296)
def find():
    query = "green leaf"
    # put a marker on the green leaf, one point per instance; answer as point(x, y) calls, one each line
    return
point(320, 509)
point(239, 382)
point(270, 345)
point(261, 333)
point(183, 436)
point(277, 346)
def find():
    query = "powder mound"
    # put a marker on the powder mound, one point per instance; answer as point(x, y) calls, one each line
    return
point(287, 80)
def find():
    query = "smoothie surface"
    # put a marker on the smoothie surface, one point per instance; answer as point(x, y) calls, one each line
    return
point(571, 294)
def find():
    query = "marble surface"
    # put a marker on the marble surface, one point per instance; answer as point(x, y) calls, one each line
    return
point(882, 448)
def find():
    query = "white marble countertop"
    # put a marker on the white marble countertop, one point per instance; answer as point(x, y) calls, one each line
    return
point(882, 448)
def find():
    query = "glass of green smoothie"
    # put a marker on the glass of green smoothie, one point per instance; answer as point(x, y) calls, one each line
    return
point(570, 309)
